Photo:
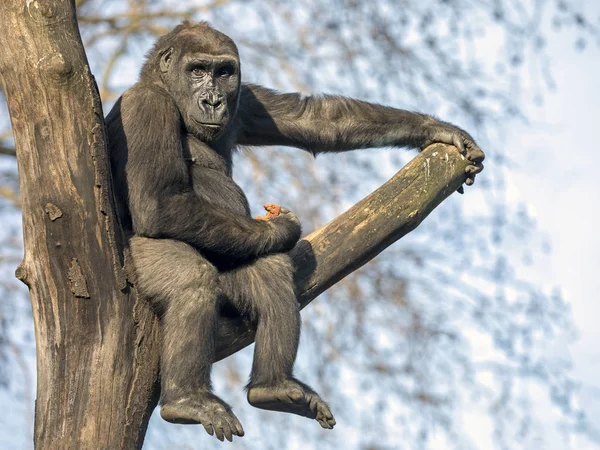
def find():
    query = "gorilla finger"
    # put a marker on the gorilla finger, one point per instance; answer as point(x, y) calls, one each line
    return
point(219, 433)
point(476, 154)
point(209, 428)
point(324, 414)
point(238, 427)
point(469, 181)
point(325, 424)
point(426, 144)
point(461, 190)
point(328, 415)
point(323, 409)
point(474, 169)
point(459, 144)
point(228, 434)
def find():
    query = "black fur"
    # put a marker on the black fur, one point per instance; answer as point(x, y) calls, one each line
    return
point(195, 246)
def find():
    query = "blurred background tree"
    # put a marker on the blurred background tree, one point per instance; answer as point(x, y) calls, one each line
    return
point(441, 341)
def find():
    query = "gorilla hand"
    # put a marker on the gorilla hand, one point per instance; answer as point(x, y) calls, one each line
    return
point(287, 227)
point(447, 133)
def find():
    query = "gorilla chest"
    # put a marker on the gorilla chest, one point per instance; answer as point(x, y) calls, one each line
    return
point(211, 178)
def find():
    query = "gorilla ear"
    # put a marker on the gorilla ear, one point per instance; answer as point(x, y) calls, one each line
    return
point(166, 59)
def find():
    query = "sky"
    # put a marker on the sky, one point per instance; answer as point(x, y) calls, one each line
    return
point(557, 175)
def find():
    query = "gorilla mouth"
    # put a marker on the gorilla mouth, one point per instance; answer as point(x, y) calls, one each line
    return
point(214, 126)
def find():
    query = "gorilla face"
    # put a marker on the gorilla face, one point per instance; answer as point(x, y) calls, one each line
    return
point(204, 81)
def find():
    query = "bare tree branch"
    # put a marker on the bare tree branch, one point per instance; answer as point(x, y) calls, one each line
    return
point(11, 195)
point(7, 151)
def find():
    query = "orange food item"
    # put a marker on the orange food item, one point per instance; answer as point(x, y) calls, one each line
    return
point(272, 209)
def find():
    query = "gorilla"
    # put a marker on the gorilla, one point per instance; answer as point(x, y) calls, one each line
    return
point(196, 249)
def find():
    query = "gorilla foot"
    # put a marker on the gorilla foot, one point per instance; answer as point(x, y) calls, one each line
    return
point(294, 397)
point(206, 409)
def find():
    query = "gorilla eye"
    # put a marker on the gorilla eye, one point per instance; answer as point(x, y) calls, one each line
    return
point(226, 71)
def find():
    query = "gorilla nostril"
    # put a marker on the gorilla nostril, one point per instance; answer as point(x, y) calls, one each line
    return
point(213, 100)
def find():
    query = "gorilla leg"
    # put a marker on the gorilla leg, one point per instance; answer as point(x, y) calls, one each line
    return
point(184, 289)
point(264, 289)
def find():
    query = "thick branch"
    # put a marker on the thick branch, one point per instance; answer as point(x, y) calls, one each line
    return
point(350, 240)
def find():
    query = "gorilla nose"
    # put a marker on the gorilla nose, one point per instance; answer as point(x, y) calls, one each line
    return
point(212, 99)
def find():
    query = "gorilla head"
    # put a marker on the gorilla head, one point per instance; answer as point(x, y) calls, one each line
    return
point(200, 67)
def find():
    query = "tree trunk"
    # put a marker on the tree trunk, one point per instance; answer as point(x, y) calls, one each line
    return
point(97, 343)
point(97, 354)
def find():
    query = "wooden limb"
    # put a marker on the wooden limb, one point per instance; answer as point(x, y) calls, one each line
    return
point(353, 238)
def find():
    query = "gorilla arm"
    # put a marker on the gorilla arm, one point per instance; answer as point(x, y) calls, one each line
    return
point(161, 199)
point(332, 124)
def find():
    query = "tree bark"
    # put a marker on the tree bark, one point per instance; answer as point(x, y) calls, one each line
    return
point(97, 343)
